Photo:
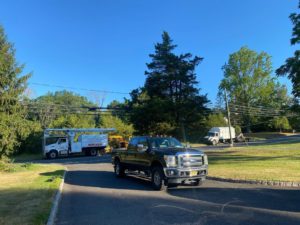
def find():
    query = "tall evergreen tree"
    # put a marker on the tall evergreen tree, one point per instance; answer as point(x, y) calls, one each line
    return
point(13, 123)
point(170, 97)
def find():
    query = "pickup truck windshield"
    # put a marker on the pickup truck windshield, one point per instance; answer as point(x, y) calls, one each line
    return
point(165, 143)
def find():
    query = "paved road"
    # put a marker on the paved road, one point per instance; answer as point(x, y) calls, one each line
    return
point(279, 140)
point(93, 195)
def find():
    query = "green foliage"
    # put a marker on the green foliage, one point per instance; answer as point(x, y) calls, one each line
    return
point(248, 81)
point(110, 121)
point(280, 123)
point(13, 127)
point(215, 120)
point(59, 110)
point(120, 109)
point(33, 142)
point(73, 121)
point(238, 130)
point(170, 97)
point(291, 68)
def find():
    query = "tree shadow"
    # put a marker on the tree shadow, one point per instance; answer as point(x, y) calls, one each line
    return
point(106, 179)
point(122, 207)
point(263, 198)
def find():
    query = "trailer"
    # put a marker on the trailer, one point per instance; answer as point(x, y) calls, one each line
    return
point(65, 142)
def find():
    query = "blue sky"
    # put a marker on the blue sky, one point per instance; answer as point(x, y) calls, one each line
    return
point(104, 44)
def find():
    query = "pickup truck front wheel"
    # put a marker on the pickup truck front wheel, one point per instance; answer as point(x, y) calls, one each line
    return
point(119, 169)
point(157, 178)
point(198, 182)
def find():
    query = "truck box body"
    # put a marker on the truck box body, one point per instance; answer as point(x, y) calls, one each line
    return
point(96, 140)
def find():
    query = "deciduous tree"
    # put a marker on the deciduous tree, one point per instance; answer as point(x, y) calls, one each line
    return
point(248, 81)
point(291, 68)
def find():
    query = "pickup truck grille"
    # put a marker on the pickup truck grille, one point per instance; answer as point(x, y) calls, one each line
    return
point(186, 161)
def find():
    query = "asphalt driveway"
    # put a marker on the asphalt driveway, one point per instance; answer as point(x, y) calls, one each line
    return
point(93, 195)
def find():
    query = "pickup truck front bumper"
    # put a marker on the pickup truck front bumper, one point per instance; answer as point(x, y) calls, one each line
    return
point(179, 175)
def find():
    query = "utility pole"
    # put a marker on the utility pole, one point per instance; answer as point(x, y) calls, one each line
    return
point(228, 118)
point(183, 131)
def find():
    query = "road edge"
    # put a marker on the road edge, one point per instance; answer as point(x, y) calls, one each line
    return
point(260, 182)
point(56, 201)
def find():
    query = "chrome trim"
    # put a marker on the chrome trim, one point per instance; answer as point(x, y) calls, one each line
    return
point(179, 170)
point(190, 160)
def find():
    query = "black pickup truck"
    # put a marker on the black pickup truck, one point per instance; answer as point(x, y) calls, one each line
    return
point(162, 159)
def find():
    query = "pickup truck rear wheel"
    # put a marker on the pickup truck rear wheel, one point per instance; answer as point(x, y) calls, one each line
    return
point(93, 152)
point(119, 169)
point(157, 179)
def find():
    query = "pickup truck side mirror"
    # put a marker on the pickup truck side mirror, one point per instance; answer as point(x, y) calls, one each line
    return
point(141, 148)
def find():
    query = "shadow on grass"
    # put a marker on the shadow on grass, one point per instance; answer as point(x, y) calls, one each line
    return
point(25, 206)
point(53, 175)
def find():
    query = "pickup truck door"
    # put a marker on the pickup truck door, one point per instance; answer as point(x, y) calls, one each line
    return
point(142, 159)
point(130, 155)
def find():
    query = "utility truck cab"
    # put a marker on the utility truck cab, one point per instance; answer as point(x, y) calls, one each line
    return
point(59, 143)
point(72, 141)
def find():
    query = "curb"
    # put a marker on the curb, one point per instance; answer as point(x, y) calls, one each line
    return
point(260, 182)
point(57, 198)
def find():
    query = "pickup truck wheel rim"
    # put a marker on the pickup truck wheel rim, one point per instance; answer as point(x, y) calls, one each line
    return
point(156, 178)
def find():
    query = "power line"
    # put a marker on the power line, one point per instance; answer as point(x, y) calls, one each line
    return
point(78, 88)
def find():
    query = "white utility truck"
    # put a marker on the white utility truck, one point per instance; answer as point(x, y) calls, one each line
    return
point(220, 134)
point(65, 142)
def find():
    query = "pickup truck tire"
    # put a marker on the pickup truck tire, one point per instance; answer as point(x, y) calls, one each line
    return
point(52, 154)
point(157, 178)
point(119, 169)
point(198, 182)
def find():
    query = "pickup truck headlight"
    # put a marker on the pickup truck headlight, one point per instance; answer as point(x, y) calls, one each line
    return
point(205, 160)
point(170, 160)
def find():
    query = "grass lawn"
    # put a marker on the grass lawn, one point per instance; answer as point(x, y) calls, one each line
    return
point(27, 191)
point(276, 162)
point(27, 157)
point(267, 135)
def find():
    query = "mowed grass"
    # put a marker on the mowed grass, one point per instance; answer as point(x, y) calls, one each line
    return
point(27, 192)
point(277, 162)
point(267, 135)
